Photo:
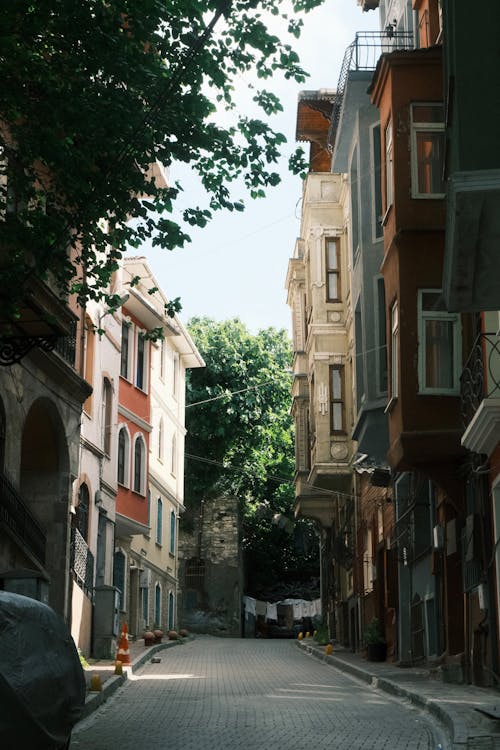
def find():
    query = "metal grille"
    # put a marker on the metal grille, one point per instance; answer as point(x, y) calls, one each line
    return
point(65, 346)
point(480, 377)
point(14, 513)
point(82, 562)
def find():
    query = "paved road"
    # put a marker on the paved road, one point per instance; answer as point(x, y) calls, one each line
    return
point(226, 694)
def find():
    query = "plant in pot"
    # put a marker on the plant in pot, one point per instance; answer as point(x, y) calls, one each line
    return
point(376, 646)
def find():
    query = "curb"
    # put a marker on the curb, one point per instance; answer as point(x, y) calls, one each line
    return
point(451, 720)
point(95, 699)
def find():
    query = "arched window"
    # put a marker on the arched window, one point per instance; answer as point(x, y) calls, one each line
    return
point(171, 612)
point(158, 605)
point(172, 533)
point(82, 511)
point(107, 403)
point(139, 466)
point(159, 521)
point(89, 360)
point(160, 440)
point(123, 457)
point(119, 576)
point(173, 460)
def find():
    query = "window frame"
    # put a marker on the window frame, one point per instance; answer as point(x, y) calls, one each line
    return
point(377, 198)
point(455, 364)
point(126, 325)
point(139, 439)
point(173, 530)
point(394, 321)
point(331, 271)
point(335, 401)
point(418, 127)
point(389, 165)
point(141, 377)
point(126, 457)
point(159, 521)
point(107, 412)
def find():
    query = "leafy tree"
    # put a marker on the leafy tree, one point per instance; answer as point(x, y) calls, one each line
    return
point(240, 441)
point(95, 91)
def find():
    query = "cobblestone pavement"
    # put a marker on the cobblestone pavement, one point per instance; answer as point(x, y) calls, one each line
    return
point(225, 694)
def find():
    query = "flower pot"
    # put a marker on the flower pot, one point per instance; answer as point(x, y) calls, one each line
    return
point(158, 634)
point(149, 638)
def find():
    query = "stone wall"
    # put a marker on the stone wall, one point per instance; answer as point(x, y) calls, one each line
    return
point(211, 570)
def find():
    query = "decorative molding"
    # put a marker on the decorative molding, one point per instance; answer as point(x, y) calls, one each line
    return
point(323, 399)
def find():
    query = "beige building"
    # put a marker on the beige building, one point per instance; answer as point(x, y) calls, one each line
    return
point(318, 295)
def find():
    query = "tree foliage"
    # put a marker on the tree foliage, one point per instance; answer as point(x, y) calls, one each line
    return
point(240, 441)
point(95, 91)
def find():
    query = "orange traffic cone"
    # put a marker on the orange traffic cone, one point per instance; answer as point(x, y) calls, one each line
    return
point(123, 653)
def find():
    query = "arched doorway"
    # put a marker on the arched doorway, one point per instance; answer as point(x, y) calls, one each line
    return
point(44, 485)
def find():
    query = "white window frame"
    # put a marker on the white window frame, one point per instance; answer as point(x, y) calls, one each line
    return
point(389, 166)
point(376, 183)
point(145, 365)
point(441, 315)
point(126, 465)
point(130, 353)
point(159, 521)
point(423, 127)
point(173, 532)
point(394, 351)
point(142, 490)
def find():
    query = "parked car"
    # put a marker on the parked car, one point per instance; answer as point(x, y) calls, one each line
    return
point(42, 685)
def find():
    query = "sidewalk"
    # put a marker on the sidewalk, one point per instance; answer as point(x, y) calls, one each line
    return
point(105, 669)
point(469, 714)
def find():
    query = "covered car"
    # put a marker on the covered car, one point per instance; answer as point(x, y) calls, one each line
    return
point(42, 684)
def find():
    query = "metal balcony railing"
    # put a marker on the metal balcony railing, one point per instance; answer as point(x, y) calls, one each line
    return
point(363, 54)
point(15, 514)
point(82, 562)
point(480, 376)
point(65, 346)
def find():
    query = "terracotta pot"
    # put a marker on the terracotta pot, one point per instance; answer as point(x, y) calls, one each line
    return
point(158, 634)
point(183, 633)
point(172, 634)
point(149, 638)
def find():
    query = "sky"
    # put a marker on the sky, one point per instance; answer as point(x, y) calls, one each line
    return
point(236, 266)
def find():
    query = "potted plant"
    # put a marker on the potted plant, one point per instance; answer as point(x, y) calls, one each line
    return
point(376, 646)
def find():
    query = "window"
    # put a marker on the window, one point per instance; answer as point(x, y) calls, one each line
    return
point(439, 350)
point(107, 403)
point(381, 336)
point(139, 466)
point(368, 563)
point(427, 150)
point(123, 457)
point(337, 417)
point(388, 166)
point(145, 605)
point(360, 357)
point(119, 576)
point(175, 384)
point(157, 605)
point(353, 176)
point(171, 611)
point(394, 351)
point(125, 350)
point(172, 532)
point(162, 359)
point(160, 440)
point(89, 360)
point(159, 521)
point(173, 464)
point(377, 182)
point(82, 511)
point(332, 270)
point(141, 363)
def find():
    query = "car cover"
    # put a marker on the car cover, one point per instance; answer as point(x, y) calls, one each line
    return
point(42, 685)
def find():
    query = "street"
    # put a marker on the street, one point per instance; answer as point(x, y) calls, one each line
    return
point(222, 694)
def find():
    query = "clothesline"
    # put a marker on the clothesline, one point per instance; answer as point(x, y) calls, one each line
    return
point(301, 608)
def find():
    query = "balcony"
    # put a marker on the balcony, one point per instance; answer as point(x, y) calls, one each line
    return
point(18, 520)
point(362, 55)
point(480, 395)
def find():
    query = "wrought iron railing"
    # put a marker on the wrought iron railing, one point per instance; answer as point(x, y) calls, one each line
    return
point(82, 562)
point(65, 346)
point(363, 54)
point(15, 514)
point(480, 376)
